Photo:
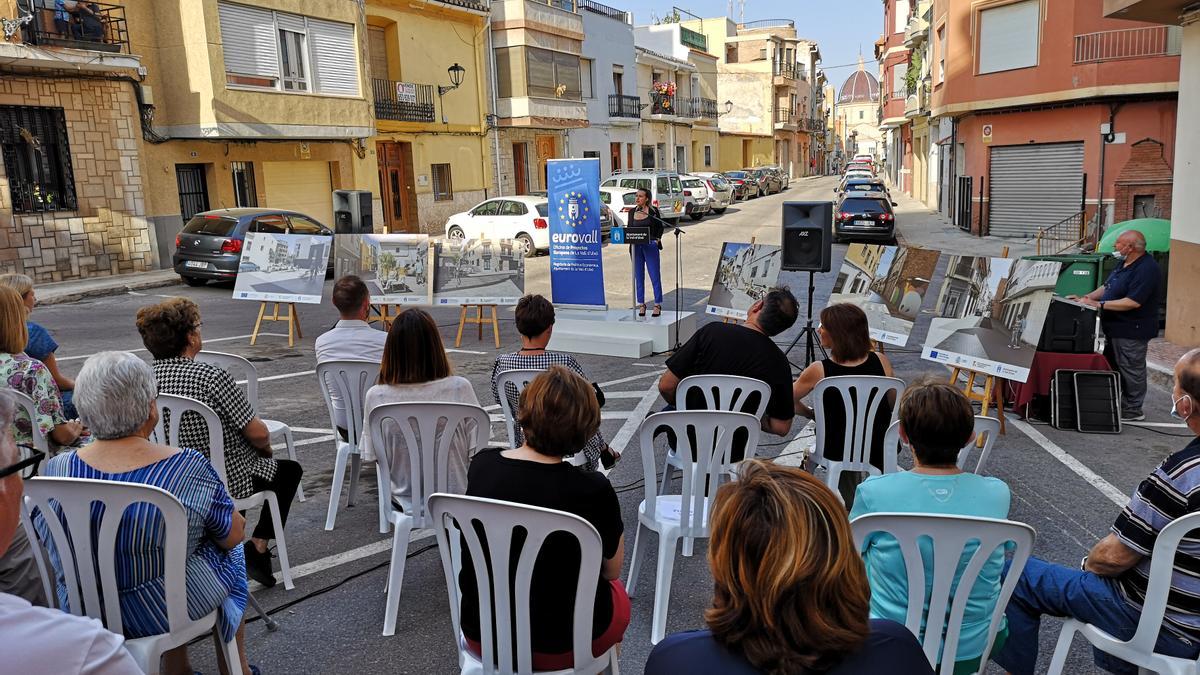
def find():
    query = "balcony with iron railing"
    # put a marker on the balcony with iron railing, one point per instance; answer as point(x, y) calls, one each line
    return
point(690, 38)
point(1129, 43)
point(627, 107)
point(785, 118)
point(662, 104)
point(602, 10)
point(92, 26)
point(708, 108)
point(763, 24)
point(781, 69)
point(565, 5)
point(403, 101)
point(687, 108)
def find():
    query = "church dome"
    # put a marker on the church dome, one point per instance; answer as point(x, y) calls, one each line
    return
point(860, 87)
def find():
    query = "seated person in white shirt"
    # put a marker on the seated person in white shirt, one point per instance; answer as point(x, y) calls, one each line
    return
point(37, 639)
point(352, 338)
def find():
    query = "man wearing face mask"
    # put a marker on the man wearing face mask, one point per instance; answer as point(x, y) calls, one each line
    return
point(1128, 303)
point(1110, 587)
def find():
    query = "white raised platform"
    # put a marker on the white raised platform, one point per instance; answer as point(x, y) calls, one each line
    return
point(619, 332)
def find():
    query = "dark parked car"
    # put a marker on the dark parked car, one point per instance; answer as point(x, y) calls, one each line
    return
point(744, 185)
point(768, 182)
point(864, 216)
point(860, 185)
point(784, 179)
point(209, 248)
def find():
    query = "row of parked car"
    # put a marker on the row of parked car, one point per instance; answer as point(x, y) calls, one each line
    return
point(525, 218)
point(864, 208)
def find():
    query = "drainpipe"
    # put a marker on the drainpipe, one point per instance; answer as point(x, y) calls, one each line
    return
point(1105, 139)
point(495, 107)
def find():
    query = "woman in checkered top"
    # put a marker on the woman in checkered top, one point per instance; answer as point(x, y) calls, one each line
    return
point(535, 323)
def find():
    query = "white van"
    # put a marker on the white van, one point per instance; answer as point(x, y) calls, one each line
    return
point(666, 190)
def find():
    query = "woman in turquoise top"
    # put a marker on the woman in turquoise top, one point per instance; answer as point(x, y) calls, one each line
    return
point(936, 420)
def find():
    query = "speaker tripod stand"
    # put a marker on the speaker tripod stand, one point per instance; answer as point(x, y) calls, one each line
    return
point(812, 341)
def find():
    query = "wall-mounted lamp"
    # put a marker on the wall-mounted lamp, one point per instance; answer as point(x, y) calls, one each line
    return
point(728, 108)
point(456, 73)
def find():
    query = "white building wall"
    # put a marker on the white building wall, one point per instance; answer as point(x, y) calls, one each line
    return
point(607, 42)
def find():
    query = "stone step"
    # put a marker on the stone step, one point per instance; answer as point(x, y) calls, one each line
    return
point(582, 342)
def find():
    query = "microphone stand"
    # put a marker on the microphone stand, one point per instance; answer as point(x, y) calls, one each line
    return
point(678, 273)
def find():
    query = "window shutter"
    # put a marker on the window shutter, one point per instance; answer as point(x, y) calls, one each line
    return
point(248, 39)
point(292, 22)
point(334, 56)
point(1008, 36)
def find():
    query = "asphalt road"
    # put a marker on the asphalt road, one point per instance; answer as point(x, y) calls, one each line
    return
point(1066, 485)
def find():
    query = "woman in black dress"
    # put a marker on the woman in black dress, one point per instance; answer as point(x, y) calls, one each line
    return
point(646, 256)
point(845, 335)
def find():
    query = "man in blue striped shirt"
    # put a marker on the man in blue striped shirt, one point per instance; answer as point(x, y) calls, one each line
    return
point(1109, 589)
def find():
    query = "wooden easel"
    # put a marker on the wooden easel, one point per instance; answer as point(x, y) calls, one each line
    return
point(385, 314)
point(992, 392)
point(292, 318)
point(478, 320)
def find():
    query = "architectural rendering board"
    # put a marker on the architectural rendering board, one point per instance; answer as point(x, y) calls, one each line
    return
point(283, 267)
point(478, 272)
point(395, 267)
point(889, 283)
point(744, 273)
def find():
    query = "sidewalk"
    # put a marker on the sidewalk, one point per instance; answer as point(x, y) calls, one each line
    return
point(917, 225)
point(70, 291)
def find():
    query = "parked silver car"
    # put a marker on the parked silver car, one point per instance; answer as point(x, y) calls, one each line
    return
point(720, 189)
point(696, 198)
point(666, 191)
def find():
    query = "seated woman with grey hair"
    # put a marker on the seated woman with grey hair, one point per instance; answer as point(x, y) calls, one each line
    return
point(115, 393)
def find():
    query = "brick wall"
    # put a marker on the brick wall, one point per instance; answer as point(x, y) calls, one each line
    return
point(1146, 173)
point(109, 233)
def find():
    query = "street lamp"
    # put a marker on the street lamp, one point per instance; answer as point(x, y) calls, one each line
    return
point(456, 73)
point(728, 108)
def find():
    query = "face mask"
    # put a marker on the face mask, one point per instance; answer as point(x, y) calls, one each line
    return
point(1175, 404)
point(1118, 255)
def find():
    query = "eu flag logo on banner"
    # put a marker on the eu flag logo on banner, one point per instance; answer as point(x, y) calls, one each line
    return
point(576, 270)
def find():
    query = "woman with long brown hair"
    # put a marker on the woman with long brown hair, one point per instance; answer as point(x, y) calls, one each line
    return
point(415, 369)
point(845, 334)
point(790, 591)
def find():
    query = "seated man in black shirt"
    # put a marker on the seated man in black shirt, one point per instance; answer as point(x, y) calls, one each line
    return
point(747, 350)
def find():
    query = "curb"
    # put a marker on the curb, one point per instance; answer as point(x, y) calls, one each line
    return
point(105, 291)
point(1160, 376)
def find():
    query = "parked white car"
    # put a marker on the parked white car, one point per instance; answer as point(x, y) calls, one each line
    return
point(719, 189)
point(697, 200)
point(666, 191)
point(523, 218)
point(621, 201)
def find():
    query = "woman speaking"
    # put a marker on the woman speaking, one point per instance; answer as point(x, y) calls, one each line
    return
point(646, 256)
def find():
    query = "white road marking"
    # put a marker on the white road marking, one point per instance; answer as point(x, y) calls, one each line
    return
point(311, 430)
point(797, 450)
point(310, 441)
point(633, 378)
point(647, 365)
point(337, 559)
point(142, 349)
point(634, 421)
point(282, 377)
point(463, 351)
point(1106, 488)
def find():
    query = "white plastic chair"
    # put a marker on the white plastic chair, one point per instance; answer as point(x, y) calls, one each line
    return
point(171, 410)
point(457, 517)
point(240, 368)
point(428, 430)
point(1139, 649)
point(39, 559)
point(39, 439)
point(949, 537)
point(519, 379)
point(352, 379)
point(721, 392)
point(685, 515)
point(986, 427)
point(89, 568)
point(861, 398)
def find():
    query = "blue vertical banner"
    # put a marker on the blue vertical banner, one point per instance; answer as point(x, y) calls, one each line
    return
point(576, 269)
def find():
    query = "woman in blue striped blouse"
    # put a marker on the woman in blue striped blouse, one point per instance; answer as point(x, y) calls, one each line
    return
point(115, 394)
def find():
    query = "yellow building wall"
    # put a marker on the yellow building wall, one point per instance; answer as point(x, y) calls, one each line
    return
point(762, 151)
point(701, 137)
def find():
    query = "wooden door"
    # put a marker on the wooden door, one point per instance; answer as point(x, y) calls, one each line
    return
point(520, 169)
point(629, 155)
point(615, 150)
point(397, 187)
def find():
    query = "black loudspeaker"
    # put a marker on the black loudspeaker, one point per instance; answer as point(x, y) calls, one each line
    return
point(807, 236)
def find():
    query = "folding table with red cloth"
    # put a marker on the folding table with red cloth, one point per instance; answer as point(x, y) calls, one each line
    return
point(1042, 372)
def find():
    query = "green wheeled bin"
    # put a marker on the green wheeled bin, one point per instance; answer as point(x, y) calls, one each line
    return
point(1081, 273)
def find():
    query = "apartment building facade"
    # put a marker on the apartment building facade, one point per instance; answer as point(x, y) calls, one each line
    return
point(680, 80)
point(432, 148)
point(1042, 106)
point(894, 127)
point(71, 177)
point(538, 52)
point(262, 104)
point(614, 105)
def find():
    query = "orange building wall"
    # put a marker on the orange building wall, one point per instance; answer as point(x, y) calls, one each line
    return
point(1149, 119)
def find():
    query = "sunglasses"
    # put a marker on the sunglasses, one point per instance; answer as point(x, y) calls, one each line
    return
point(31, 462)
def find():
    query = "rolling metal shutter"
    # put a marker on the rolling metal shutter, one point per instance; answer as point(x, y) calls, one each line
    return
point(334, 56)
point(1033, 186)
point(300, 186)
point(248, 39)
